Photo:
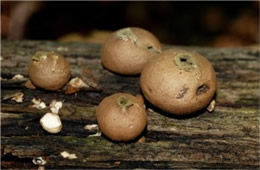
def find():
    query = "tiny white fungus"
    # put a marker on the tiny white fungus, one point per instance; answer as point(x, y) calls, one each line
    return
point(67, 155)
point(51, 123)
point(38, 104)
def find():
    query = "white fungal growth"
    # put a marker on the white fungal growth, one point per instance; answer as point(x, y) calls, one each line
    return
point(51, 123)
point(67, 155)
point(39, 161)
point(126, 34)
point(55, 58)
point(55, 106)
point(91, 127)
point(18, 77)
point(38, 104)
point(44, 57)
point(96, 134)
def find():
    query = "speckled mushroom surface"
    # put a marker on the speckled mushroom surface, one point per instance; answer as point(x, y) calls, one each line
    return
point(179, 82)
point(127, 50)
point(49, 70)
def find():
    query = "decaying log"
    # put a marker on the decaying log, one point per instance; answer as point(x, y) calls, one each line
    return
point(225, 138)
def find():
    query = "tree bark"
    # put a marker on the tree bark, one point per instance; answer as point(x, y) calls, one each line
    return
point(225, 138)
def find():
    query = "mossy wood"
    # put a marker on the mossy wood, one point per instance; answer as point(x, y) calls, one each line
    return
point(225, 138)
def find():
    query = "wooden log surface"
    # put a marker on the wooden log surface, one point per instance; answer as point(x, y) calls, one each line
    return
point(225, 138)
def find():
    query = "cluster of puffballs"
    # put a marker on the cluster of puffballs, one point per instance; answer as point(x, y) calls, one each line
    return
point(176, 81)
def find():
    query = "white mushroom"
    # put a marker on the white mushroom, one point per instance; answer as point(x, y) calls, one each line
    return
point(51, 123)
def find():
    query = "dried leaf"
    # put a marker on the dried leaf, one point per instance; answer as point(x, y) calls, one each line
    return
point(29, 85)
point(211, 106)
point(17, 96)
point(75, 85)
point(71, 90)
point(141, 140)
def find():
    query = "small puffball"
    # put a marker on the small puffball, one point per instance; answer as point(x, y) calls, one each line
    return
point(179, 82)
point(51, 123)
point(49, 70)
point(126, 51)
point(121, 117)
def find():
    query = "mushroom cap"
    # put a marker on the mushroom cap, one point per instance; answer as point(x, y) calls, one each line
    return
point(179, 82)
point(121, 117)
point(49, 70)
point(127, 50)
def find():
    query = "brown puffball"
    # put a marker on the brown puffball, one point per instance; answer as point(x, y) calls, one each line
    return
point(121, 116)
point(49, 70)
point(179, 82)
point(127, 50)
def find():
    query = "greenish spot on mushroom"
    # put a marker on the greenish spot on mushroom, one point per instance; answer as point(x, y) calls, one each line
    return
point(124, 102)
point(126, 34)
point(185, 61)
point(40, 55)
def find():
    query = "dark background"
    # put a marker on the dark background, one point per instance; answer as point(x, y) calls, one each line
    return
point(218, 24)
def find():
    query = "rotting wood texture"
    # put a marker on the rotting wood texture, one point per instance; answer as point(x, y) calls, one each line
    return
point(225, 138)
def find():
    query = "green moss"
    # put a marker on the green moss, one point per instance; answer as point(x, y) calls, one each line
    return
point(174, 125)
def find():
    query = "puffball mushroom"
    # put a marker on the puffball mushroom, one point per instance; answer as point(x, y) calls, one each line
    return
point(49, 70)
point(127, 50)
point(51, 123)
point(179, 82)
point(121, 116)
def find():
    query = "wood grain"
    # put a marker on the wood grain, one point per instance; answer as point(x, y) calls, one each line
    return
point(225, 138)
